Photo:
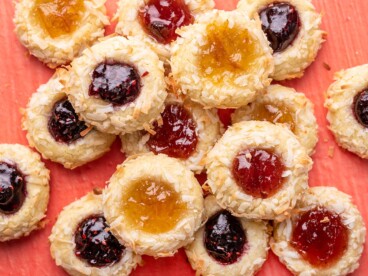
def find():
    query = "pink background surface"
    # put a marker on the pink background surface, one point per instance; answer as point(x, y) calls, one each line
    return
point(20, 75)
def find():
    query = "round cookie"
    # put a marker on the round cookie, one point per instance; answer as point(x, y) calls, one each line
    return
point(24, 191)
point(283, 105)
point(131, 19)
point(153, 204)
point(193, 134)
point(64, 248)
point(336, 203)
point(349, 129)
point(258, 170)
point(118, 85)
point(295, 46)
point(252, 254)
point(216, 70)
point(41, 27)
point(54, 129)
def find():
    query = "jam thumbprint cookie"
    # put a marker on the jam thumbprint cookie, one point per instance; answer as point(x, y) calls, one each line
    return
point(223, 60)
point(55, 130)
point(293, 30)
point(118, 85)
point(258, 170)
point(24, 191)
point(284, 106)
point(82, 243)
point(156, 21)
point(347, 104)
point(153, 204)
point(324, 236)
point(227, 245)
point(185, 131)
point(56, 31)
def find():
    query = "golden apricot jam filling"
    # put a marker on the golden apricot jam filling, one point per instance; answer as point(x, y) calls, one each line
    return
point(228, 50)
point(274, 113)
point(58, 17)
point(153, 206)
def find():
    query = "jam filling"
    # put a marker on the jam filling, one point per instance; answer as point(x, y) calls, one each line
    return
point(95, 244)
point(152, 206)
point(273, 113)
point(58, 17)
point(223, 55)
point(161, 18)
point(116, 83)
point(258, 172)
point(224, 238)
point(320, 237)
point(12, 188)
point(176, 136)
point(281, 24)
point(360, 108)
point(64, 124)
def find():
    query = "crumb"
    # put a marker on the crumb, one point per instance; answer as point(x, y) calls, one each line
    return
point(86, 131)
point(325, 140)
point(326, 66)
point(331, 151)
point(97, 191)
point(149, 129)
point(43, 223)
point(325, 220)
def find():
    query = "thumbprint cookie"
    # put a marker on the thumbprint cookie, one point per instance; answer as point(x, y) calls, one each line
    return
point(24, 191)
point(153, 204)
point(223, 60)
point(55, 130)
point(56, 31)
point(258, 170)
point(293, 30)
point(324, 236)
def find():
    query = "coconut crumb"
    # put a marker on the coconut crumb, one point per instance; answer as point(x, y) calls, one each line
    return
point(42, 223)
point(325, 140)
point(331, 151)
point(325, 220)
point(149, 129)
point(160, 121)
point(86, 131)
point(97, 191)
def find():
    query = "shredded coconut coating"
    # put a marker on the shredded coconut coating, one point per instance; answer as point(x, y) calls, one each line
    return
point(292, 62)
point(63, 246)
point(61, 50)
point(29, 216)
point(255, 254)
point(226, 94)
point(129, 24)
point(131, 116)
point(35, 121)
point(264, 135)
point(349, 133)
point(335, 201)
point(208, 130)
point(182, 180)
point(301, 108)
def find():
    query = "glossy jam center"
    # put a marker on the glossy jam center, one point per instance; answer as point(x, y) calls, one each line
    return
point(273, 113)
point(152, 206)
point(281, 24)
point(258, 172)
point(320, 237)
point(360, 108)
point(176, 136)
point(12, 188)
point(161, 18)
point(224, 238)
point(227, 51)
point(58, 17)
point(64, 124)
point(116, 83)
point(95, 244)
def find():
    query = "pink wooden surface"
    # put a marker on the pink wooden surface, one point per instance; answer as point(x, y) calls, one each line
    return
point(20, 75)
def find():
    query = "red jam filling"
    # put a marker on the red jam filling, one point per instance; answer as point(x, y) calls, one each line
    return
point(176, 136)
point(116, 83)
point(258, 172)
point(95, 244)
point(360, 108)
point(64, 124)
point(281, 24)
point(161, 18)
point(320, 237)
point(224, 238)
point(12, 188)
